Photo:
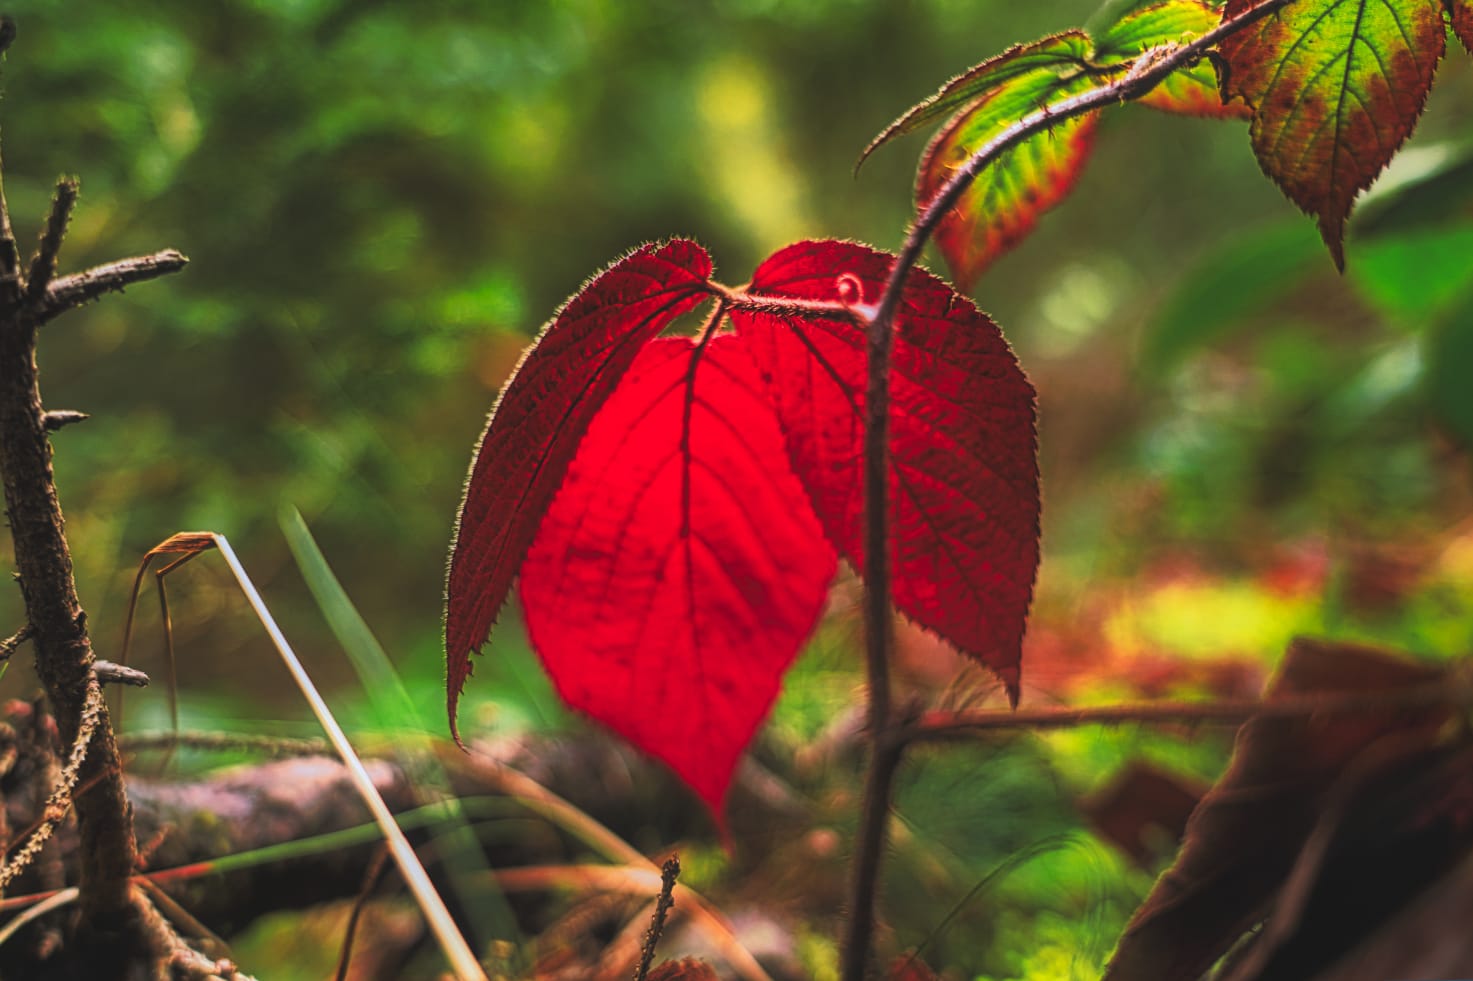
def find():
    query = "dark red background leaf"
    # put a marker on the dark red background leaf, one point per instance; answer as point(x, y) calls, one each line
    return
point(964, 474)
point(1244, 836)
point(538, 423)
point(680, 568)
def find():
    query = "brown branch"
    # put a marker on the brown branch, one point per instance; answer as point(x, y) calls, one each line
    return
point(111, 932)
point(43, 264)
point(61, 418)
point(110, 673)
point(70, 292)
point(668, 874)
point(1147, 72)
point(939, 726)
point(9, 644)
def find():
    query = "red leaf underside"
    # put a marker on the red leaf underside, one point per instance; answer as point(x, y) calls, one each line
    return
point(538, 423)
point(1336, 87)
point(680, 568)
point(964, 477)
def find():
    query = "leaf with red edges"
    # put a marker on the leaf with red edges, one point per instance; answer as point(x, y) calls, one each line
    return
point(538, 423)
point(1336, 87)
point(964, 472)
point(680, 568)
point(1005, 200)
point(1191, 91)
point(1056, 55)
point(1461, 12)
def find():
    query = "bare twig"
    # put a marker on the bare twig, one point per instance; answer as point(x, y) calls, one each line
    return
point(668, 873)
point(60, 418)
point(370, 882)
point(1153, 67)
point(70, 292)
point(43, 263)
point(9, 644)
point(109, 673)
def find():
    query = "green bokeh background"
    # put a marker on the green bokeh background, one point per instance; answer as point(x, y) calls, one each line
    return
point(382, 202)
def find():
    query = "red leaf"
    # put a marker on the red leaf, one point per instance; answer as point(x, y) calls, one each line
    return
point(538, 423)
point(1462, 16)
point(679, 569)
point(964, 473)
point(1336, 87)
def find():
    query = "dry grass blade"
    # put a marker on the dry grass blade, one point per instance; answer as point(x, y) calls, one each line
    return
point(457, 951)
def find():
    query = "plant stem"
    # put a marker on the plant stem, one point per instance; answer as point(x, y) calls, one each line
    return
point(887, 750)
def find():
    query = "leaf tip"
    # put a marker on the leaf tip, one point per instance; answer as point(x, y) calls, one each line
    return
point(1012, 684)
point(1332, 230)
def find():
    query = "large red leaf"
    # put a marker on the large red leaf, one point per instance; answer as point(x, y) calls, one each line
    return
point(1336, 87)
point(538, 423)
point(964, 473)
point(680, 568)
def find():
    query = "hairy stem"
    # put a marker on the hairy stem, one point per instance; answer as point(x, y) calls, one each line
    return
point(887, 751)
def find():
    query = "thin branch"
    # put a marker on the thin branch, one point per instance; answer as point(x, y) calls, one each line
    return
point(43, 263)
point(110, 673)
point(60, 418)
point(70, 292)
point(1148, 71)
point(668, 873)
point(9, 644)
point(944, 726)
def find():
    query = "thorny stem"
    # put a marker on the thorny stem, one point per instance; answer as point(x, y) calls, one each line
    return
point(1149, 70)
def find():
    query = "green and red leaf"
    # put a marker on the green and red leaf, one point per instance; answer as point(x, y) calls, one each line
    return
point(1006, 199)
point(964, 472)
point(1055, 55)
point(1336, 87)
point(538, 423)
point(1190, 91)
point(680, 568)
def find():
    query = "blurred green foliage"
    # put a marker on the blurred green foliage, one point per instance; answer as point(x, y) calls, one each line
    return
point(383, 201)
